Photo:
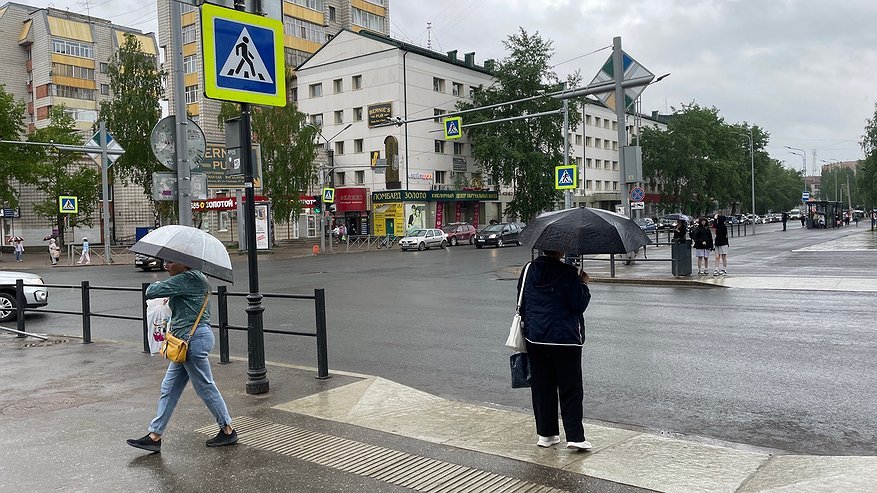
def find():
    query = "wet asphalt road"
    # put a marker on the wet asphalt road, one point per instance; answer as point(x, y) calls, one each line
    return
point(792, 370)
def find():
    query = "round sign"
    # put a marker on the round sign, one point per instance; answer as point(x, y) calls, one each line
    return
point(637, 194)
point(163, 138)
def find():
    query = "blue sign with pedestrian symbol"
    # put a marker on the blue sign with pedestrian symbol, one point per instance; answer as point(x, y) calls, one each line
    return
point(243, 57)
point(565, 177)
point(328, 195)
point(453, 127)
point(68, 204)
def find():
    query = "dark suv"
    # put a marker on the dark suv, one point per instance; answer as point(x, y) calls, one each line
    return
point(499, 235)
point(459, 233)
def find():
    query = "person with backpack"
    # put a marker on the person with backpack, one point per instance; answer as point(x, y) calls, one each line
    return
point(702, 238)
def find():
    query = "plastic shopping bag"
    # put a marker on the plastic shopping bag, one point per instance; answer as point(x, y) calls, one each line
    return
point(158, 319)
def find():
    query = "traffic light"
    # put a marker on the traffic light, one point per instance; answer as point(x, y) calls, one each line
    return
point(318, 204)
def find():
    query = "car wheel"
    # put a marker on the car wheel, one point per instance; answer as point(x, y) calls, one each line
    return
point(499, 243)
point(146, 269)
point(518, 242)
point(454, 241)
point(444, 244)
point(7, 307)
point(421, 246)
point(472, 240)
point(479, 246)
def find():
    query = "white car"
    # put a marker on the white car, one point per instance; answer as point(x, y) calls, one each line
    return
point(424, 239)
point(35, 293)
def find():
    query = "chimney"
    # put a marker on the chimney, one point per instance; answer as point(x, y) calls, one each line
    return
point(489, 64)
point(452, 56)
point(470, 59)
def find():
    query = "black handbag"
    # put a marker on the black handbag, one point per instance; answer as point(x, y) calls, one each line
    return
point(520, 365)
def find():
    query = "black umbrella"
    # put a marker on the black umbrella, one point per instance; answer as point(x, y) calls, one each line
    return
point(583, 231)
point(677, 216)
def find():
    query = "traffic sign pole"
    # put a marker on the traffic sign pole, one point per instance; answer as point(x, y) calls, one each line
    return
point(184, 184)
point(105, 186)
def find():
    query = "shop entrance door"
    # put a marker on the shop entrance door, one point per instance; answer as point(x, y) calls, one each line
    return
point(391, 231)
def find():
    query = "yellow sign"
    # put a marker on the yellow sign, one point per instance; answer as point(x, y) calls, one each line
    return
point(328, 195)
point(565, 177)
point(68, 204)
point(243, 57)
point(453, 127)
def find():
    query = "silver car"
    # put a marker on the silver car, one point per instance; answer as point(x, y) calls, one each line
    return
point(35, 293)
point(423, 239)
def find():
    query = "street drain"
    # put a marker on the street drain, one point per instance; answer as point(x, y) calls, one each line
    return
point(50, 342)
point(391, 466)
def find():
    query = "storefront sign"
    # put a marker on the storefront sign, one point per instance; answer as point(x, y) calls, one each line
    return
point(215, 165)
point(420, 176)
point(459, 164)
point(220, 204)
point(351, 199)
point(389, 220)
point(380, 113)
point(433, 196)
point(439, 214)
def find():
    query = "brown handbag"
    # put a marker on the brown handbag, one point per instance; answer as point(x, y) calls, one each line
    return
point(176, 349)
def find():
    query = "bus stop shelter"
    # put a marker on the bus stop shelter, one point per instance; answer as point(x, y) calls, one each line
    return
point(824, 214)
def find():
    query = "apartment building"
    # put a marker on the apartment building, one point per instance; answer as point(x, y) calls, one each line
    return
point(53, 57)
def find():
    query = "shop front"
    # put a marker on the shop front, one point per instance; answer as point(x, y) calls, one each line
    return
point(406, 210)
point(351, 209)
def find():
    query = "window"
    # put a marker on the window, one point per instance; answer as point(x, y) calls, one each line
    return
point(588, 184)
point(440, 176)
point(606, 123)
point(304, 30)
point(338, 85)
point(606, 185)
point(104, 67)
point(186, 8)
point(294, 93)
point(438, 113)
point(315, 90)
point(589, 141)
point(72, 92)
point(456, 89)
point(332, 13)
point(588, 120)
point(598, 163)
point(356, 82)
point(81, 115)
point(339, 177)
point(339, 147)
point(598, 142)
point(360, 177)
point(597, 185)
point(597, 121)
point(357, 145)
point(339, 116)
point(192, 94)
point(311, 4)
point(367, 19)
point(190, 64)
point(189, 34)
point(440, 146)
point(614, 185)
point(105, 89)
point(615, 165)
point(357, 114)
point(458, 148)
point(588, 162)
point(614, 145)
point(578, 140)
point(472, 91)
point(317, 119)
point(438, 85)
point(579, 162)
point(614, 125)
point(608, 145)
point(72, 48)
point(72, 71)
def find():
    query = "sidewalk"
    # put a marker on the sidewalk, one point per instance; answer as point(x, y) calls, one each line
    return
point(65, 423)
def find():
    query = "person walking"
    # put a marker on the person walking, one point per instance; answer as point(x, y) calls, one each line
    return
point(188, 294)
point(803, 219)
point(703, 243)
point(86, 255)
point(54, 251)
point(555, 297)
point(19, 249)
point(721, 245)
point(785, 218)
point(680, 231)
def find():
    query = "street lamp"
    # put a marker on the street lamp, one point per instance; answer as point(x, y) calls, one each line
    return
point(751, 171)
point(330, 153)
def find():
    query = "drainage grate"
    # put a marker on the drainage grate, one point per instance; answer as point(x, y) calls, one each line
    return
point(391, 466)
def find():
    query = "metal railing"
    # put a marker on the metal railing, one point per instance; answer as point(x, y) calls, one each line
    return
point(367, 242)
point(222, 293)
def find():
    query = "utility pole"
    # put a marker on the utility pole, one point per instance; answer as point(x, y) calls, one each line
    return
point(620, 112)
point(105, 186)
point(567, 194)
point(181, 146)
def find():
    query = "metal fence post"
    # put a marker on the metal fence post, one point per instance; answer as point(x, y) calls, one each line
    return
point(222, 299)
point(322, 342)
point(86, 313)
point(147, 330)
point(20, 302)
point(612, 265)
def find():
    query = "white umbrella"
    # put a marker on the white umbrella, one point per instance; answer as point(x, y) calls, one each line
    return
point(188, 246)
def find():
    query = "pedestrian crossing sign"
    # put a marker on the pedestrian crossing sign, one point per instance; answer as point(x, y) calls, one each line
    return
point(243, 57)
point(453, 127)
point(565, 177)
point(329, 195)
point(68, 204)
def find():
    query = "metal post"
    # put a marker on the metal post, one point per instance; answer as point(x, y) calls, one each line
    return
point(322, 215)
point(567, 194)
point(322, 340)
point(222, 299)
point(147, 330)
point(612, 265)
point(620, 111)
point(752, 172)
point(86, 313)
point(105, 187)
point(181, 148)
point(330, 153)
point(20, 302)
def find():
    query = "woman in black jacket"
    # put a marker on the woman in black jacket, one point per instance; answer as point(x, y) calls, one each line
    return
point(680, 231)
point(555, 298)
point(721, 245)
point(703, 243)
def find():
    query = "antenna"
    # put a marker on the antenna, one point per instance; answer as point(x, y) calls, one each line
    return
point(429, 35)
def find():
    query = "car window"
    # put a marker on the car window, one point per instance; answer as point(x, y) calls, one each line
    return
point(429, 234)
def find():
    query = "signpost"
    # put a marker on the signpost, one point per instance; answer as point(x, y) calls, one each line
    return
point(565, 177)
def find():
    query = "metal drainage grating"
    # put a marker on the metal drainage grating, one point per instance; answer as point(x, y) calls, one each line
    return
point(391, 466)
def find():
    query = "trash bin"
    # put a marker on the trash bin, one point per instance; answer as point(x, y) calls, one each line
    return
point(680, 253)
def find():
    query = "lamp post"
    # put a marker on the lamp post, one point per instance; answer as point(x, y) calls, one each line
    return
point(751, 171)
point(804, 160)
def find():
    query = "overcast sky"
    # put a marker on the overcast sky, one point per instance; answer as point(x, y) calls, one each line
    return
point(804, 70)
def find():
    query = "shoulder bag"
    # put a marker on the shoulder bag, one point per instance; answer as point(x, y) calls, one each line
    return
point(516, 340)
point(176, 349)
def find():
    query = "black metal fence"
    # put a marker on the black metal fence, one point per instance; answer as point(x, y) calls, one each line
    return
point(222, 294)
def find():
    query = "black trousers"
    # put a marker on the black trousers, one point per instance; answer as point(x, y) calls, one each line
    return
point(557, 371)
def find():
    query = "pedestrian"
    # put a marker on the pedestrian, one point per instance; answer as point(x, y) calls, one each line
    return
point(86, 255)
point(721, 245)
point(785, 218)
point(188, 294)
point(555, 297)
point(803, 219)
point(54, 251)
point(703, 243)
point(873, 219)
point(19, 249)
point(342, 230)
point(680, 231)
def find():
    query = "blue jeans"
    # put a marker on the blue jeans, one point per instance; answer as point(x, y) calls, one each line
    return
point(196, 368)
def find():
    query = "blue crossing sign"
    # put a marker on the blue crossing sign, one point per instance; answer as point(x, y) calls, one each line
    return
point(565, 177)
point(453, 127)
point(243, 57)
point(68, 204)
point(328, 195)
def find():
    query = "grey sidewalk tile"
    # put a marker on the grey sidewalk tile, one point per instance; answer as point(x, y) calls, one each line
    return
point(814, 474)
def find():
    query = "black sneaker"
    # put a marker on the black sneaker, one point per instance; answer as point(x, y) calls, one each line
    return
point(146, 443)
point(221, 439)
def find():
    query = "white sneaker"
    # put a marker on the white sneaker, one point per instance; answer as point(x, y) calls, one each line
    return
point(546, 442)
point(723, 273)
point(579, 446)
point(716, 272)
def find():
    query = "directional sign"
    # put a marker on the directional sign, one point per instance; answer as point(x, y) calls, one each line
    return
point(637, 194)
point(805, 196)
point(565, 177)
point(112, 145)
point(243, 57)
point(453, 127)
point(328, 195)
point(631, 70)
point(68, 204)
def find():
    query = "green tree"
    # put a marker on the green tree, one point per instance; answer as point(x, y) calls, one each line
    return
point(136, 85)
point(16, 161)
point(522, 153)
point(63, 173)
point(867, 177)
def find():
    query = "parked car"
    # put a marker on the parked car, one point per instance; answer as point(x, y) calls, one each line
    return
point(499, 235)
point(460, 233)
point(35, 293)
point(646, 224)
point(424, 239)
point(148, 263)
